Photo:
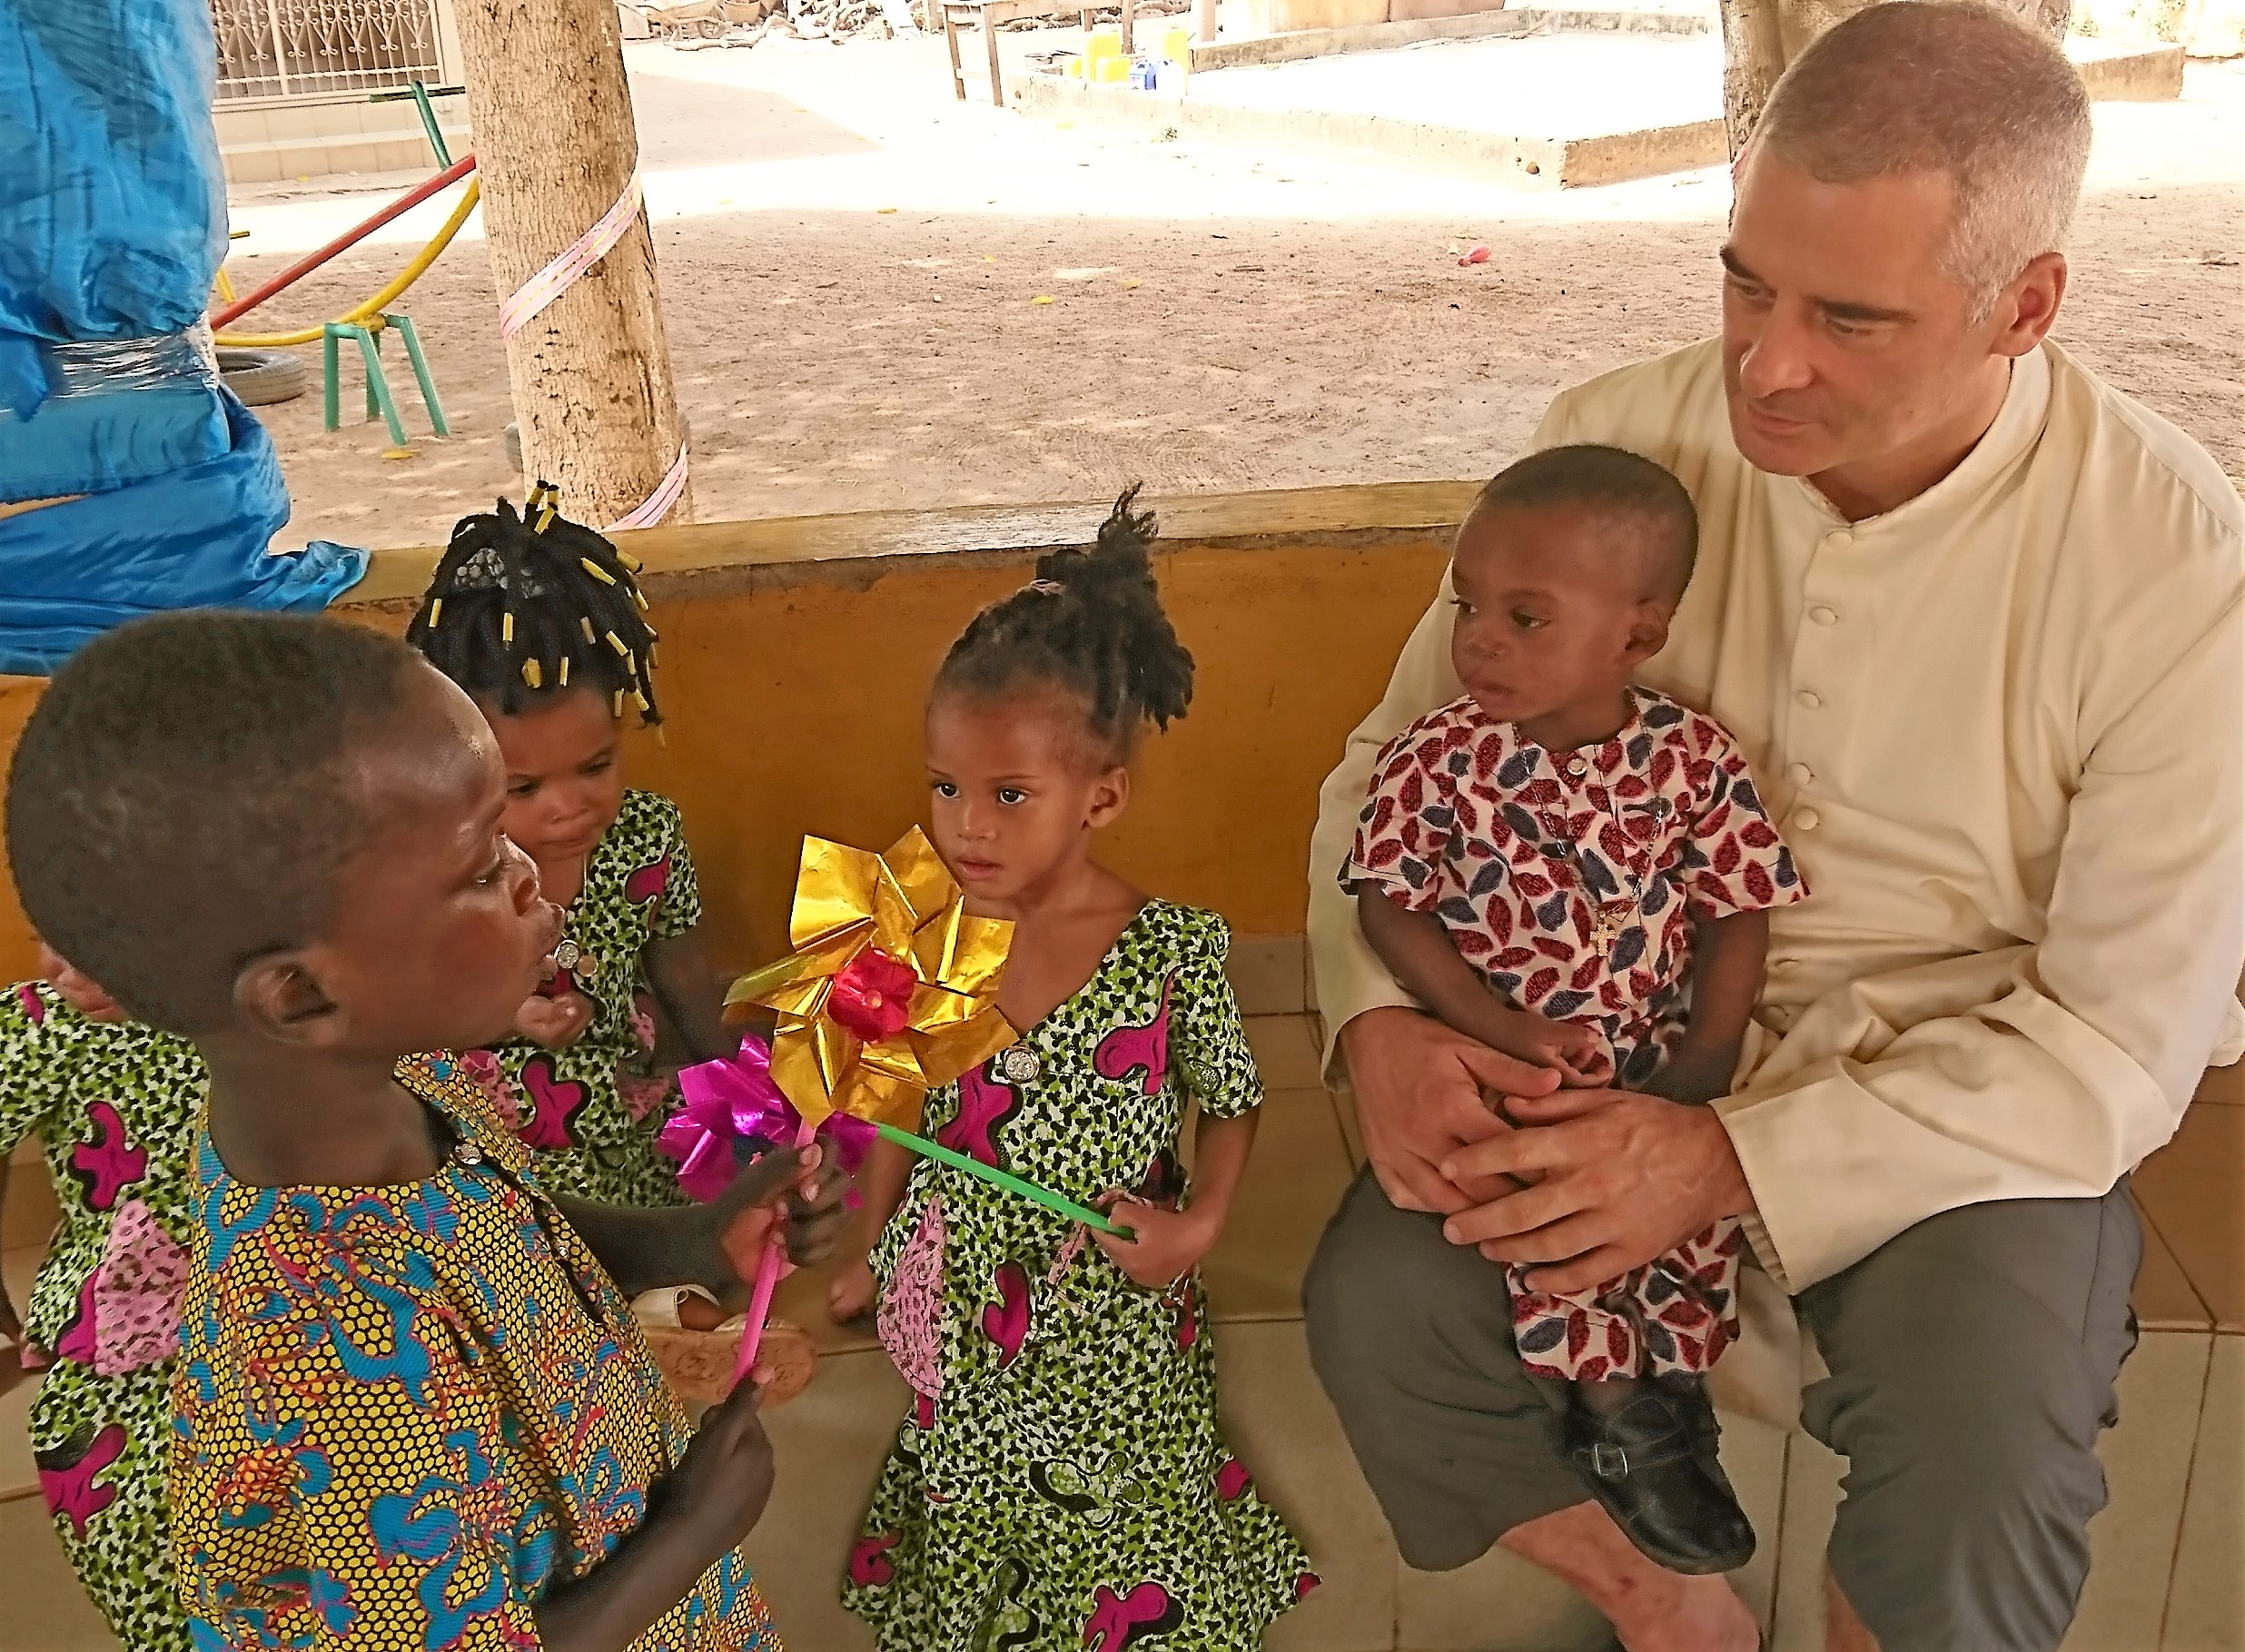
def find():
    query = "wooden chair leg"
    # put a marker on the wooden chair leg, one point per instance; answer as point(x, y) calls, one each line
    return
point(997, 88)
point(1129, 47)
point(951, 38)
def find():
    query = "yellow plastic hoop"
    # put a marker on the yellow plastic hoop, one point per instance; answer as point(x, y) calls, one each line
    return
point(380, 301)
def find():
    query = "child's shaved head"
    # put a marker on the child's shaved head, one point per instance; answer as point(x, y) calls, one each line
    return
point(185, 795)
point(1611, 479)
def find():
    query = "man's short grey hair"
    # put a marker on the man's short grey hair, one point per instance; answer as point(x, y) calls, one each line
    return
point(1951, 86)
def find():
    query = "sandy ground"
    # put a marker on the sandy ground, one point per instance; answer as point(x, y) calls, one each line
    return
point(851, 263)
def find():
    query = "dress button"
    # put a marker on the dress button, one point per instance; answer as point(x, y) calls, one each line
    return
point(1807, 820)
point(1577, 768)
point(1840, 540)
point(468, 1154)
point(1809, 699)
point(1800, 774)
point(1825, 616)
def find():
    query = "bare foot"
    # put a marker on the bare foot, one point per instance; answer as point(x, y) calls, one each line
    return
point(1651, 1609)
point(700, 1314)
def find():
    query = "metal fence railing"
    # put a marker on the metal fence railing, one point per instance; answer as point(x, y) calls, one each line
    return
point(289, 48)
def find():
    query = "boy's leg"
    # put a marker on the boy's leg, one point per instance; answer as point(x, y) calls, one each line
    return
point(1972, 1359)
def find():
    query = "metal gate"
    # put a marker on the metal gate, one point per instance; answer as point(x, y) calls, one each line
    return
point(289, 48)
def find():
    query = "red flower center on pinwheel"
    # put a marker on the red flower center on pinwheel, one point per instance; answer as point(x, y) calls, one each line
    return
point(873, 997)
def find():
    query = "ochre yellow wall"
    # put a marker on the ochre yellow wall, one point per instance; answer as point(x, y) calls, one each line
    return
point(794, 706)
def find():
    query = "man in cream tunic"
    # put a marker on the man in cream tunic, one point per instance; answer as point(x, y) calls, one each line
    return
point(1975, 618)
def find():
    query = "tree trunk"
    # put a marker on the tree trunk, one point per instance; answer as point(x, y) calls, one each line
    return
point(556, 147)
point(1760, 37)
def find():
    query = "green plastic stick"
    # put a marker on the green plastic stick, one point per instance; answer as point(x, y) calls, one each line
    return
point(1011, 1183)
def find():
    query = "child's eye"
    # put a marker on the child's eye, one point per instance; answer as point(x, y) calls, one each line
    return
point(1526, 622)
point(944, 788)
point(1462, 605)
point(1011, 794)
point(599, 766)
point(523, 788)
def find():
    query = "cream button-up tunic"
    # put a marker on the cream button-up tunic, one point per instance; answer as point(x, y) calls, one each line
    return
point(2003, 728)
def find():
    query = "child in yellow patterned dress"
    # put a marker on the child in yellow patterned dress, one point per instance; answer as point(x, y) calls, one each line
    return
point(412, 1410)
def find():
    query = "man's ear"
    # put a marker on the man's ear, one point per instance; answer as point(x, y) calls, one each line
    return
point(1110, 797)
point(2030, 305)
point(281, 994)
point(1648, 633)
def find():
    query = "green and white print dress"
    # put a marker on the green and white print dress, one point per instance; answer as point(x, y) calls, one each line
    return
point(115, 1107)
point(590, 1111)
point(1061, 1485)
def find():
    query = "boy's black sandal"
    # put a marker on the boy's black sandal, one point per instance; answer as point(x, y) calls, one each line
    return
point(1651, 1464)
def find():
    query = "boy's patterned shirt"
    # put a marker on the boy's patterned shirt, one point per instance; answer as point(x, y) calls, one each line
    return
point(406, 1413)
point(1571, 880)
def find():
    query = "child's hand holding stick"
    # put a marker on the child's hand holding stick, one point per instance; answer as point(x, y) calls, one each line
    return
point(1159, 1246)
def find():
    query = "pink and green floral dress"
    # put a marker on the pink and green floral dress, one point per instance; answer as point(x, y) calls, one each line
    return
point(115, 1108)
point(591, 1111)
point(1061, 1484)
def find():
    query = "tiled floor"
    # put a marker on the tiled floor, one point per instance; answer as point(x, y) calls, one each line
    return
point(2166, 1572)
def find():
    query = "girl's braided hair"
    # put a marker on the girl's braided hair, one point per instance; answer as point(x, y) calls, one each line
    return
point(1091, 623)
point(531, 604)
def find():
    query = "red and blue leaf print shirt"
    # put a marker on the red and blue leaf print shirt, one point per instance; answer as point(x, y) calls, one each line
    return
point(1571, 880)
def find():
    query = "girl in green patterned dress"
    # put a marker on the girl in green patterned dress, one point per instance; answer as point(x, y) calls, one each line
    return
point(1060, 1482)
point(115, 1106)
point(542, 621)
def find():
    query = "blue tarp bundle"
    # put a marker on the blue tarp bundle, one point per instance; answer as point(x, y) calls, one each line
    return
point(113, 222)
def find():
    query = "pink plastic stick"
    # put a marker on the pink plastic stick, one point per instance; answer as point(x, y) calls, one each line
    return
point(767, 1281)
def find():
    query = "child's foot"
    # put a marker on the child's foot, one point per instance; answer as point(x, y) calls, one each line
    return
point(1646, 1449)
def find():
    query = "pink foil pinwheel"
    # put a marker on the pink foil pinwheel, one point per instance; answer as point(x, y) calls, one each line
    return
point(725, 1102)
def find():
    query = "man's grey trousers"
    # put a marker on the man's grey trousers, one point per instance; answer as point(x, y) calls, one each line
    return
point(1972, 1363)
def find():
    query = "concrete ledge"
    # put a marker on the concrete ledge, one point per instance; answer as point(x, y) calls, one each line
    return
point(2110, 71)
point(1527, 162)
point(2128, 71)
point(1296, 44)
point(858, 548)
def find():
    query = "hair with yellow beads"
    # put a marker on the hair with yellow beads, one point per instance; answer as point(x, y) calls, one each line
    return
point(529, 604)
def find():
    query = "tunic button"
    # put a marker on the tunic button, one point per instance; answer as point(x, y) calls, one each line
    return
point(1800, 774)
point(1840, 541)
point(1809, 820)
point(469, 1154)
point(1825, 616)
point(1809, 699)
point(1577, 767)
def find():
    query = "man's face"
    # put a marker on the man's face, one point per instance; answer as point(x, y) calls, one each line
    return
point(1845, 347)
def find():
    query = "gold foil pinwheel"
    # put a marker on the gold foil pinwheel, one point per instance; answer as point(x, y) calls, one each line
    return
point(891, 989)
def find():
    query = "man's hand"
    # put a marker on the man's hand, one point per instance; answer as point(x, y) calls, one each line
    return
point(1164, 1245)
point(1622, 1179)
point(1419, 1094)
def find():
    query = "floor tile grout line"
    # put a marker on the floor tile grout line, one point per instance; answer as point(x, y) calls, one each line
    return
point(2189, 1477)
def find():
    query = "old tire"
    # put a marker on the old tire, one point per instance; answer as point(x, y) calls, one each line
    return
point(259, 378)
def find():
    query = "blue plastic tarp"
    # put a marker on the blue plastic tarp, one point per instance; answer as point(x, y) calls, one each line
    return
point(194, 538)
point(113, 224)
point(112, 219)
